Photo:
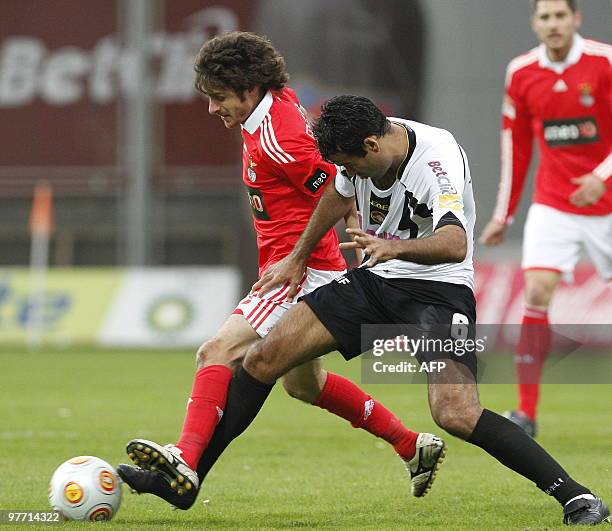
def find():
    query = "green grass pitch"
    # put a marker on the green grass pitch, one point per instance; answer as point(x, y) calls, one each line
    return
point(297, 466)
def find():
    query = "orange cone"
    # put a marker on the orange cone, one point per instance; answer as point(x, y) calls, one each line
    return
point(41, 216)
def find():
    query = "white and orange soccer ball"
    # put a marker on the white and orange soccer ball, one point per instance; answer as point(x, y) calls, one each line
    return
point(85, 488)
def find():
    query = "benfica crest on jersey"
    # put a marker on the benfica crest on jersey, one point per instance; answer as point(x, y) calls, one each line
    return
point(586, 94)
point(250, 171)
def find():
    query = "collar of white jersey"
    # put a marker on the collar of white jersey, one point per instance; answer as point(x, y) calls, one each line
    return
point(253, 122)
point(572, 57)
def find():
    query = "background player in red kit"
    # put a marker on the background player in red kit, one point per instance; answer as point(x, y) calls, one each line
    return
point(561, 93)
point(244, 78)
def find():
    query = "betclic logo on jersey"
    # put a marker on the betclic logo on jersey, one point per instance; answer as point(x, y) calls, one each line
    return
point(444, 182)
point(571, 131)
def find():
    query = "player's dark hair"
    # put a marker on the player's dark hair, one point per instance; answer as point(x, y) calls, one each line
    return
point(572, 4)
point(239, 61)
point(344, 124)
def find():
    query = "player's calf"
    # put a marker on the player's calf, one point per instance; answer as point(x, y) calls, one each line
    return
point(305, 382)
point(459, 423)
point(455, 408)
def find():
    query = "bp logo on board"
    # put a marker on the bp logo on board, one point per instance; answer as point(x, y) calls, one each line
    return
point(172, 313)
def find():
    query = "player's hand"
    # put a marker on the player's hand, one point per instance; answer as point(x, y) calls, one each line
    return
point(289, 270)
point(590, 189)
point(377, 249)
point(493, 233)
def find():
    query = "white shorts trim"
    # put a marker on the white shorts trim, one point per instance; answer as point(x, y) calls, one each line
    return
point(262, 313)
point(554, 240)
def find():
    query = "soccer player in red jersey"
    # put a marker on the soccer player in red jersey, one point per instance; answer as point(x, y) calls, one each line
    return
point(560, 93)
point(244, 78)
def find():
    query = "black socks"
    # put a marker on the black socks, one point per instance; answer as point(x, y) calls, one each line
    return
point(245, 397)
point(512, 447)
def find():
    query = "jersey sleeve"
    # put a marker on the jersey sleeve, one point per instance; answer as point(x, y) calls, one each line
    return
point(446, 171)
point(344, 184)
point(290, 146)
point(516, 149)
point(308, 171)
point(604, 169)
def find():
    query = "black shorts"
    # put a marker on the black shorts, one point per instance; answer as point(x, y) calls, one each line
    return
point(363, 298)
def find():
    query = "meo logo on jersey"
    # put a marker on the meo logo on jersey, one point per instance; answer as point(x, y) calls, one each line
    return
point(315, 182)
point(572, 131)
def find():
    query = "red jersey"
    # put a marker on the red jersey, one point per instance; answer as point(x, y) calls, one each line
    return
point(285, 174)
point(567, 106)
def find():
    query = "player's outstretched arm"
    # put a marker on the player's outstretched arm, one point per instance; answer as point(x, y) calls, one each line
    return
point(447, 244)
point(331, 208)
point(517, 148)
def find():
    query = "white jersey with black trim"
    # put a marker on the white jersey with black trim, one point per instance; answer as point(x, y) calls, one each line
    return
point(435, 189)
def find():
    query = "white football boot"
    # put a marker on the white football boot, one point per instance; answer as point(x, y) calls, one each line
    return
point(430, 453)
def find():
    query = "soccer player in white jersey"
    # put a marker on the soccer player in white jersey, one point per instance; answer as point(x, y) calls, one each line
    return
point(413, 190)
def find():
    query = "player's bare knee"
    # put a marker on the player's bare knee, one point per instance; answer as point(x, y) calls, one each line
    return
point(213, 352)
point(455, 416)
point(537, 294)
point(259, 363)
point(451, 421)
point(539, 287)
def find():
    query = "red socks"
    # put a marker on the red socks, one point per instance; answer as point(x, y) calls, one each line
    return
point(531, 353)
point(204, 410)
point(339, 396)
point(345, 399)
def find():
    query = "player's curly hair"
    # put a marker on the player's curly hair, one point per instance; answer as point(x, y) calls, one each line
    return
point(572, 4)
point(239, 61)
point(344, 124)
